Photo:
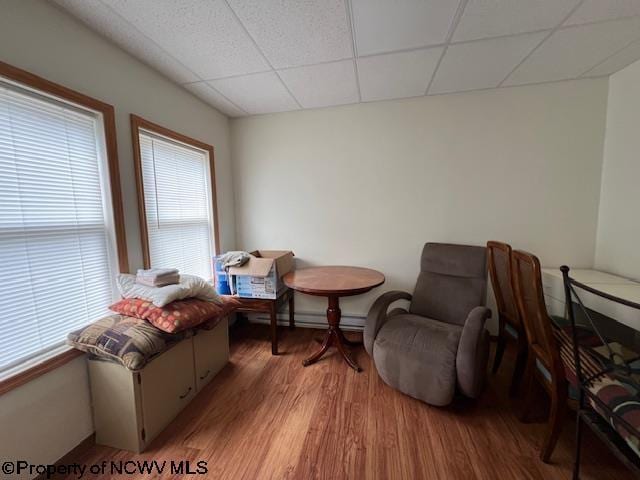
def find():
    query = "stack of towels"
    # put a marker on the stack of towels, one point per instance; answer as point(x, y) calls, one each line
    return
point(158, 277)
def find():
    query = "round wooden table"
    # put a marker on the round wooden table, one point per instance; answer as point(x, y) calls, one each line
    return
point(333, 283)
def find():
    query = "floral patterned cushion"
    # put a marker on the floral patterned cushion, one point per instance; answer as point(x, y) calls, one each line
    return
point(178, 315)
point(589, 363)
point(126, 340)
point(618, 396)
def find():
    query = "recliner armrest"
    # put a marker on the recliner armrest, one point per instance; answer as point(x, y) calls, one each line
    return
point(473, 351)
point(477, 318)
point(378, 315)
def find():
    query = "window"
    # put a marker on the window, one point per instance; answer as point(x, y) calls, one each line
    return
point(58, 236)
point(177, 188)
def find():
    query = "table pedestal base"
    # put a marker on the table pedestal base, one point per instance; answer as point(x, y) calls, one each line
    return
point(334, 336)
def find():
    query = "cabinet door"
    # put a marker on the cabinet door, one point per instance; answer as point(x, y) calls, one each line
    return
point(167, 386)
point(211, 352)
point(117, 415)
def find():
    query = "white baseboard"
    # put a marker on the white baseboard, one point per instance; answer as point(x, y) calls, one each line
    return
point(311, 320)
point(319, 320)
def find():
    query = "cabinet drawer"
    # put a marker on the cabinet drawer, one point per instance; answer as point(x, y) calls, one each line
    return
point(211, 352)
point(167, 386)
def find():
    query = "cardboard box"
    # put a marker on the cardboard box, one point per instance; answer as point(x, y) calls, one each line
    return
point(261, 276)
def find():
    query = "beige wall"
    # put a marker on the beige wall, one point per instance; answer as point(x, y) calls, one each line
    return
point(368, 184)
point(619, 224)
point(43, 420)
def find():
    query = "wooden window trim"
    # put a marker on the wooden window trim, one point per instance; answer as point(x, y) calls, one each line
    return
point(108, 115)
point(109, 118)
point(138, 123)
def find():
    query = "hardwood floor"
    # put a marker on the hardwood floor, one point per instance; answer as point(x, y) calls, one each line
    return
point(267, 417)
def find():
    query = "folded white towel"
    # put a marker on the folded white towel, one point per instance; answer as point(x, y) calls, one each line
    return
point(158, 282)
point(157, 272)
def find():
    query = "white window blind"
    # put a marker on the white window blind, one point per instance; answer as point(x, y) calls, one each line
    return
point(177, 197)
point(57, 255)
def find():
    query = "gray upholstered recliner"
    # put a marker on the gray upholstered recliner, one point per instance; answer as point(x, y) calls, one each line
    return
point(441, 342)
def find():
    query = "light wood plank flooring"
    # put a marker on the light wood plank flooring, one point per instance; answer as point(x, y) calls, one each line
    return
point(267, 417)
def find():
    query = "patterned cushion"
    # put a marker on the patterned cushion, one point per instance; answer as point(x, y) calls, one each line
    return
point(178, 315)
point(615, 393)
point(126, 340)
point(589, 363)
point(621, 398)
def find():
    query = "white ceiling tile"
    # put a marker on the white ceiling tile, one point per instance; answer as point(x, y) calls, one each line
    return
point(297, 32)
point(617, 62)
point(569, 52)
point(383, 26)
point(203, 34)
point(322, 85)
point(206, 92)
point(257, 93)
point(235, 44)
point(397, 75)
point(482, 64)
point(598, 10)
point(491, 18)
point(106, 22)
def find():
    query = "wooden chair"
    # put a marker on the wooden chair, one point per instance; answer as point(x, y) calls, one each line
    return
point(543, 348)
point(509, 323)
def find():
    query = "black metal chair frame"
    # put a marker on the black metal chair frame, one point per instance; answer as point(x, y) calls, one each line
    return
point(614, 362)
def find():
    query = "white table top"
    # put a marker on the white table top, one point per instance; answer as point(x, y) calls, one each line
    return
point(605, 282)
point(587, 276)
point(629, 292)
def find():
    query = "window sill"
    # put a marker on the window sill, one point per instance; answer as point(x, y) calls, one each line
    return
point(43, 366)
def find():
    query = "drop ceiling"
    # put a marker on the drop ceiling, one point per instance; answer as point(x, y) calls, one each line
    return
point(248, 57)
